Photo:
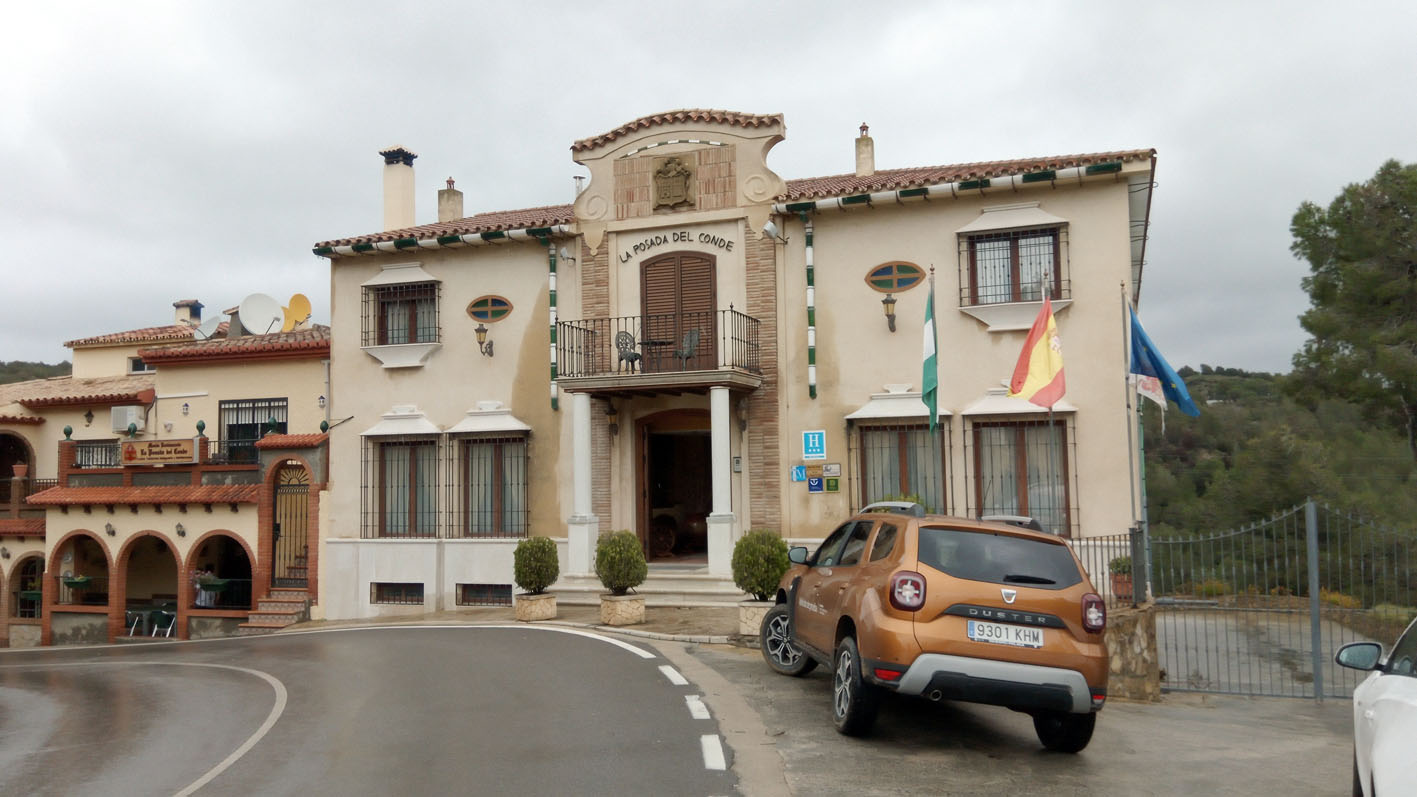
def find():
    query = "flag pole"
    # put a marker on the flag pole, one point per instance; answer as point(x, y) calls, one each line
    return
point(1127, 395)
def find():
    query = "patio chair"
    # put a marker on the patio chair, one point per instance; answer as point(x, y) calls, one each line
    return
point(625, 351)
point(164, 622)
point(689, 349)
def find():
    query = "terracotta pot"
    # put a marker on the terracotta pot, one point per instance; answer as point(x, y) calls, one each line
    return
point(21, 469)
point(1122, 586)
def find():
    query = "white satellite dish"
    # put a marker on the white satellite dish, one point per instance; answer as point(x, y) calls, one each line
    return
point(260, 314)
point(208, 328)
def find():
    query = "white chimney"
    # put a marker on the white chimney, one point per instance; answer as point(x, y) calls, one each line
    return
point(865, 154)
point(398, 188)
point(449, 203)
point(189, 312)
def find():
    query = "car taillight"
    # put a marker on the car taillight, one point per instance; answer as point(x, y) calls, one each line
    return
point(1094, 613)
point(907, 590)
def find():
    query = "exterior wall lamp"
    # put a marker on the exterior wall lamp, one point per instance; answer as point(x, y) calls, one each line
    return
point(889, 304)
point(483, 344)
point(186, 408)
point(742, 415)
point(4, 552)
point(109, 530)
point(613, 415)
point(321, 401)
point(181, 530)
point(88, 417)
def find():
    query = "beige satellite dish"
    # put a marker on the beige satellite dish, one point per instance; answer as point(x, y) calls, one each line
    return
point(297, 313)
point(259, 314)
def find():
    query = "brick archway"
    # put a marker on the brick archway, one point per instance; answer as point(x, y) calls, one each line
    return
point(119, 578)
point(54, 568)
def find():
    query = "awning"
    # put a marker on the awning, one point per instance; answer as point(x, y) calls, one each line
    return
point(489, 416)
point(403, 419)
point(1011, 217)
point(897, 402)
point(997, 402)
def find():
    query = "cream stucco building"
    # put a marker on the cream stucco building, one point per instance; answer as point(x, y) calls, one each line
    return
point(697, 347)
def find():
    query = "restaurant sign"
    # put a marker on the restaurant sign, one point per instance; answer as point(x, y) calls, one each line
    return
point(159, 452)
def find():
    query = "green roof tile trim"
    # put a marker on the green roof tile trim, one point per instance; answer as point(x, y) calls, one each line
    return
point(445, 240)
point(363, 247)
point(801, 207)
point(969, 185)
point(1104, 168)
point(911, 192)
point(324, 251)
point(492, 236)
point(540, 232)
point(859, 199)
point(406, 243)
point(1040, 177)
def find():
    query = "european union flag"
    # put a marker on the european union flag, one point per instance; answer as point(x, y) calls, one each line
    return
point(1147, 361)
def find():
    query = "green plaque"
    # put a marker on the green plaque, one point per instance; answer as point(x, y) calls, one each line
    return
point(833, 484)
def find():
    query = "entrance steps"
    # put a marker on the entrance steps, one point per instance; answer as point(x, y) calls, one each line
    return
point(665, 586)
point(282, 607)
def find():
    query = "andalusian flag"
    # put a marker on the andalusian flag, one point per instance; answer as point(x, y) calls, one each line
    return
point(930, 376)
point(1038, 377)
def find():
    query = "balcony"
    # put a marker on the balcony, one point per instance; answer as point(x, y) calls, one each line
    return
point(671, 353)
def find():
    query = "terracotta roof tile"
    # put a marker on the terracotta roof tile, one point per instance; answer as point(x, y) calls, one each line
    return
point(311, 342)
point(22, 527)
point(712, 116)
point(527, 218)
point(97, 496)
point(20, 419)
point(292, 440)
point(171, 332)
point(893, 179)
point(66, 390)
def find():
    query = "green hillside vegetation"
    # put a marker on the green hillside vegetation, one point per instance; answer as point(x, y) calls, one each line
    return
point(1254, 451)
point(21, 371)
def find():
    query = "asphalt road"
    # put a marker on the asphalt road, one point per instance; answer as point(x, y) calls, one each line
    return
point(406, 710)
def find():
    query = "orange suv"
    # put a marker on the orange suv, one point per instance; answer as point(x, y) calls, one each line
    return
point(949, 609)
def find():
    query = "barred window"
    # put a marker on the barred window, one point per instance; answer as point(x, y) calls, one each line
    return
point(1022, 469)
point(484, 595)
point(400, 487)
point(395, 314)
point(244, 421)
point(404, 594)
point(491, 491)
point(904, 463)
point(1011, 266)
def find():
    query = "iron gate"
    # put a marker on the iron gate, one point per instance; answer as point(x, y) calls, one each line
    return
point(292, 517)
point(1260, 610)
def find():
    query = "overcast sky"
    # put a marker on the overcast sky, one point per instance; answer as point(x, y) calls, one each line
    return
point(151, 152)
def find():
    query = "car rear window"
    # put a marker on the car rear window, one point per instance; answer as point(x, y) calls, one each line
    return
point(1000, 558)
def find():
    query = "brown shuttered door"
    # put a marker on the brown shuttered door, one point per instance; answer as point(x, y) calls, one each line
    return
point(677, 291)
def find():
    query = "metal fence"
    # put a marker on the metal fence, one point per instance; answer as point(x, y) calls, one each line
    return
point(1260, 610)
point(658, 344)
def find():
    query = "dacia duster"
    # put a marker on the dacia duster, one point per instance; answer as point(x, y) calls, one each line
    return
point(945, 608)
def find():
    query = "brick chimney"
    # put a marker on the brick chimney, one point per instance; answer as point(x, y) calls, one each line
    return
point(189, 312)
point(865, 153)
point(398, 188)
point(449, 203)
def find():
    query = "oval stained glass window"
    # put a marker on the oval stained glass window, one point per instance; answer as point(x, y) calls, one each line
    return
point(489, 308)
point(895, 276)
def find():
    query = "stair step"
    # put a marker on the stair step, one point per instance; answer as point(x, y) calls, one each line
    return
point(286, 606)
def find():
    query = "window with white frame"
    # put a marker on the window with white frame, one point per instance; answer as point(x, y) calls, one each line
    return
point(401, 313)
point(400, 487)
point(137, 366)
point(904, 463)
point(1021, 468)
point(1015, 266)
point(491, 485)
point(244, 421)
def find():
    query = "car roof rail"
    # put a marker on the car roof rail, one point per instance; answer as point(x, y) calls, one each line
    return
point(1022, 521)
point(904, 507)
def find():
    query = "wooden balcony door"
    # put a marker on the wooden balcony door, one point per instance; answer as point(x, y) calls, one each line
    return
point(678, 303)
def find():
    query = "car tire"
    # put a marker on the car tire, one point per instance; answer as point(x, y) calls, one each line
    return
point(854, 702)
point(1064, 732)
point(775, 640)
point(1357, 781)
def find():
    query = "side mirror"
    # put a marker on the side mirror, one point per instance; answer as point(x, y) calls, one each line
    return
point(797, 556)
point(1359, 655)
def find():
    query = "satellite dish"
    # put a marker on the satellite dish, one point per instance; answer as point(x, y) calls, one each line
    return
point(208, 328)
point(260, 314)
point(296, 313)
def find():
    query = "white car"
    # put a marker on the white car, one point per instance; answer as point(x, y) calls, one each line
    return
point(1384, 715)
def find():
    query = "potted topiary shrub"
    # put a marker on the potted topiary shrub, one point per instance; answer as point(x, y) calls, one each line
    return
point(1120, 569)
point(759, 560)
point(534, 568)
point(620, 565)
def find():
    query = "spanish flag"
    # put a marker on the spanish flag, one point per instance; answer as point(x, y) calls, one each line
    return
point(1038, 377)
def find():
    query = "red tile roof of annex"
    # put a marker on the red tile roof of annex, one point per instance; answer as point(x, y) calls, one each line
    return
point(797, 191)
point(292, 440)
point(185, 494)
point(171, 332)
point(68, 390)
point(313, 341)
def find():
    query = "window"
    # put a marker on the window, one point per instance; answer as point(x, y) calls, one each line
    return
point(245, 421)
point(855, 545)
point(396, 593)
point(1001, 558)
point(895, 277)
point(493, 487)
point(489, 308)
point(1010, 266)
point(885, 542)
point(1022, 469)
point(851, 535)
point(401, 487)
point(904, 463)
point(25, 599)
point(484, 595)
point(137, 366)
point(397, 314)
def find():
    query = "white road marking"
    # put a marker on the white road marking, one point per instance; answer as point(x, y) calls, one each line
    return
point(673, 675)
point(697, 709)
point(641, 652)
point(713, 752)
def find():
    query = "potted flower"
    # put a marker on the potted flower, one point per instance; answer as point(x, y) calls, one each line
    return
point(77, 582)
point(759, 560)
point(620, 565)
point(534, 568)
point(1120, 569)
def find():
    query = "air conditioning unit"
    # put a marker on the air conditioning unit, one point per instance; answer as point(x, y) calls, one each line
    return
point(123, 416)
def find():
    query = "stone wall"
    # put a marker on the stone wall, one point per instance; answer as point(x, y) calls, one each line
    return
point(213, 627)
point(78, 629)
point(1131, 645)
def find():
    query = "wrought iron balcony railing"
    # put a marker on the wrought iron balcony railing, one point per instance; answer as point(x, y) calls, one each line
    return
point(656, 344)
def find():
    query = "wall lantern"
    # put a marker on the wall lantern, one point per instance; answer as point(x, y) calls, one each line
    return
point(4, 552)
point(889, 304)
point(88, 417)
point(613, 415)
point(321, 402)
point(742, 415)
point(181, 531)
point(186, 408)
point(108, 528)
point(483, 344)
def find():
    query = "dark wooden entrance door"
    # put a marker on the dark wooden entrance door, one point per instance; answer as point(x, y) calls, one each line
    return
point(678, 302)
point(292, 520)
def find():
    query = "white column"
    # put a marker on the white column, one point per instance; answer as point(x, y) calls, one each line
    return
point(721, 520)
point(582, 527)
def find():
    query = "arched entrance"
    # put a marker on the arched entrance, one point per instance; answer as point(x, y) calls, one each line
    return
point(290, 526)
point(150, 588)
point(222, 571)
point(26, 596)
point(676, 489)
point(13, 451)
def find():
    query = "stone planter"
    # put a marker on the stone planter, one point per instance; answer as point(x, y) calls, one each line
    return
point(622, 609)
point(750, 616)
point(530, 608)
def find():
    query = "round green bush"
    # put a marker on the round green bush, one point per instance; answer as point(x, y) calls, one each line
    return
point(759, 560)
point(620, 562)
point(534, 565)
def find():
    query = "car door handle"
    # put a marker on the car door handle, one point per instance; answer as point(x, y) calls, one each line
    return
point(1368, 714)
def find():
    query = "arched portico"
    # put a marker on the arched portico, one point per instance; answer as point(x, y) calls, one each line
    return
point(148, 588)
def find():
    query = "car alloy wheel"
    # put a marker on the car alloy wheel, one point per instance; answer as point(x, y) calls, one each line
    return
point(854, 701)
point(783, 656)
